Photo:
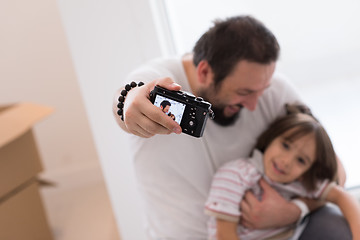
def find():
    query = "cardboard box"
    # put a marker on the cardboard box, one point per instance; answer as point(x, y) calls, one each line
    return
point(22, 215)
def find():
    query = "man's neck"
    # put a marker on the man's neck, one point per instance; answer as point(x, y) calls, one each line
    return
point(190, 71)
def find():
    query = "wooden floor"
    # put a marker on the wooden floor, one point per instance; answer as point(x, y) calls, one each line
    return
point(78, 206)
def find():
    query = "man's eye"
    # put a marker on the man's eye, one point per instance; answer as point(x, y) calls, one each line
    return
point(243, 94)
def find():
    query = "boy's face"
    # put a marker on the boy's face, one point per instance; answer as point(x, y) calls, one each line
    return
point(286, 161)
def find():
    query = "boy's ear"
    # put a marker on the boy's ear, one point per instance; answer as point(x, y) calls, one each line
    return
point(204, 73)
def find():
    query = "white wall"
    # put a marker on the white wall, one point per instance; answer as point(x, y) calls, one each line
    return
point(36, 66)
point(107, 40)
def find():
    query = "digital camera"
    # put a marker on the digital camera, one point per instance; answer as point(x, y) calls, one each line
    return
point(189, 111)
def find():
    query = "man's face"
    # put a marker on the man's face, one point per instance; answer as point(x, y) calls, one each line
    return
point(166, 109)
point(241, 88)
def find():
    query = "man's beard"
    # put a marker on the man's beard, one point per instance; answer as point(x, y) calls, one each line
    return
point(221, 119)
point(218, 110)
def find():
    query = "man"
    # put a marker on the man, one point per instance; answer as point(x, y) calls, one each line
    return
point(165, 106)
point(232, 67)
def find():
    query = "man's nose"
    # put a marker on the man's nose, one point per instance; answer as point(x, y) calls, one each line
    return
point(251, 101)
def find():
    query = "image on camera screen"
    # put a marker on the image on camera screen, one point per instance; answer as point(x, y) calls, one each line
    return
point(170, 107)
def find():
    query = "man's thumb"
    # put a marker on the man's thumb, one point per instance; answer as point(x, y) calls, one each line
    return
point(169, 84)
point(264, 185)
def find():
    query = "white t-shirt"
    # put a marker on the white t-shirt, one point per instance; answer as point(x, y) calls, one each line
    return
point(231, 182)
point(174, 172)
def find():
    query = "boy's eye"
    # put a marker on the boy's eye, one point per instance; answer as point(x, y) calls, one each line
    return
point(285, 145)
point(301, 160)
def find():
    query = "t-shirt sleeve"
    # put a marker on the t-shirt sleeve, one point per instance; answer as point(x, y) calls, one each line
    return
point(322, 190)
point(144, 74)
point(155, 69)
point(228, 188)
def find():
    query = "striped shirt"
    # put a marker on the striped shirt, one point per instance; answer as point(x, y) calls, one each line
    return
point(231, 182)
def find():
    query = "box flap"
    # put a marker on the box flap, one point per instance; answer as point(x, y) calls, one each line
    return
point(16, 119)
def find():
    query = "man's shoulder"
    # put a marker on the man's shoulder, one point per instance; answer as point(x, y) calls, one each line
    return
point(170, 63)
point(157, 68)
point(280, 81)
point(271, 103)
point(281, 92)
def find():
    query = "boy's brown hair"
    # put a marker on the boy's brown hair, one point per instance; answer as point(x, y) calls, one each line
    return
point(302, 122)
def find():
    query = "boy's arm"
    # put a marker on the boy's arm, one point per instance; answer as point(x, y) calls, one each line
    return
point(226, 230)
point(349, 206)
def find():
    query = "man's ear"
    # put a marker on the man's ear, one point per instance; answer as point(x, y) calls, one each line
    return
point(204, 73)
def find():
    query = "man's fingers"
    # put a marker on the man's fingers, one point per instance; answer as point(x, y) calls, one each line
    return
point(168, 83)
point(244, 206)
point(245, 210)
point(269, 191)
point(144, 119)
point(141, 134)
point(164, 123)
point(245, 223)
point(144, 126)
point(265, 186)
point(153, 127)
point(250, 198)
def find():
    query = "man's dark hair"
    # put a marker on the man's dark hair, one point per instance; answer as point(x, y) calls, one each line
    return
point(165, 103)
point(232, 40)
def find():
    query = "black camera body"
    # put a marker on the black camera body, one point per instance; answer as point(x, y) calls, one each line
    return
point(189, 111)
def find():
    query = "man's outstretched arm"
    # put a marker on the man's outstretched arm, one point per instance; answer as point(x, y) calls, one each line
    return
point(141, 117)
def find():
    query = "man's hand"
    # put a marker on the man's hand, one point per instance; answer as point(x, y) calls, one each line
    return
point(141, 117)
point(272, 211)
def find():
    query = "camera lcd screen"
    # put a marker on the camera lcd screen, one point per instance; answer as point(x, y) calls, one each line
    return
point(170, 107)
